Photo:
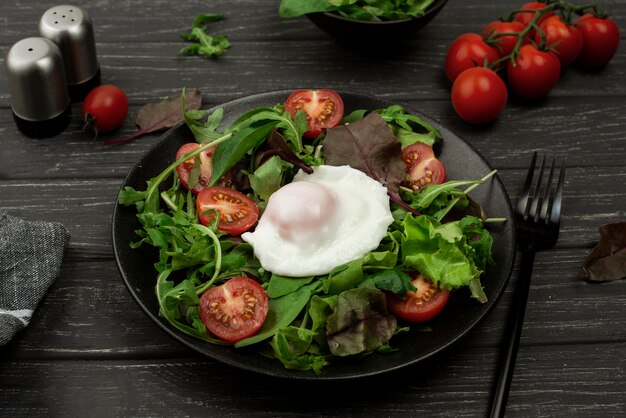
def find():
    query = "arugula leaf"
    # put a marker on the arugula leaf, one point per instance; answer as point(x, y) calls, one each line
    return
point(398, 119)
point(291, 346)
point(391, 280)
point(205, 45)
point(203, 132)
point(280, 286)
point(293, 129)
point(268, 178)
point(228, 153)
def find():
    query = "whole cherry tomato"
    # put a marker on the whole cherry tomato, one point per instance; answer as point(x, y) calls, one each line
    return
point(534, 73)
point(505, 43)
point(565, 39)
point(479, 95)
point(600, 41)
point(105, 108)
point(526, 17)
point(468, 50)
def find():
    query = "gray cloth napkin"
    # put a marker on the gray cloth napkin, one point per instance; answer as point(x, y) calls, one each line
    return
point(31, 253)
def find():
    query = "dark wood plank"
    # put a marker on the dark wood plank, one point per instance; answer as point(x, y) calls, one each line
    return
point(573, 380)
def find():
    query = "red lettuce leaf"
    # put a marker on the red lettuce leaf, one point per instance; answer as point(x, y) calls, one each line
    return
point(154, 117)
point(369, 145)
point(276, 144)
point(607, 261)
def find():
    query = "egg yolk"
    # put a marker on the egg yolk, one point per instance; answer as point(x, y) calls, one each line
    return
point(301, 210)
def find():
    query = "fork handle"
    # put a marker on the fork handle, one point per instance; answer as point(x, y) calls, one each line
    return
point(514, 330)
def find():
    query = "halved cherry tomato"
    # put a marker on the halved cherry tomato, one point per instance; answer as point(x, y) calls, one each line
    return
point(600, 41)
point(415, 153)
point(430, 171)
point(184, 169)
point(234, 310)
point(323, 108)
point(565, 39)
point(467, 51)
point(237, 212)
point(534, 73)
point(505, 43)
point(419, 306)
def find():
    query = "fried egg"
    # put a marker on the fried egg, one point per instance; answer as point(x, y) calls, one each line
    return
point(320, 221)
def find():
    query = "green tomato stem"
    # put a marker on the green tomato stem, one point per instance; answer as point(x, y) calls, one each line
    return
point(568, 10)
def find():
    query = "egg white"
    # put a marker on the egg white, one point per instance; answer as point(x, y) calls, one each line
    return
point(309, 229)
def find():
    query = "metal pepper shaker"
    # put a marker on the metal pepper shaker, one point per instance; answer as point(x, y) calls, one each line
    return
point(39, 97)
point(71, 28)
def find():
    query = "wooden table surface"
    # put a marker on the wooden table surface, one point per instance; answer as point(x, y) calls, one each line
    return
point(91, 351)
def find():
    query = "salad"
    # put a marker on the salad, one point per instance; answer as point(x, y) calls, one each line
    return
point(309, 233)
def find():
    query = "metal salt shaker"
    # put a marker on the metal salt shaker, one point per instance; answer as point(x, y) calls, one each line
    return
point(71, 28)
point(39, 96)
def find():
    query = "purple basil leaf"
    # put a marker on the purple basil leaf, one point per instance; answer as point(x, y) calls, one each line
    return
point(607, 261)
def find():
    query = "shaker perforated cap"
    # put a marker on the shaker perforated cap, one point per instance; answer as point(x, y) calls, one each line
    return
point(39, 95)
point(71, 28)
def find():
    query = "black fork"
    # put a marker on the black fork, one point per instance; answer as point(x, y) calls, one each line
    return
point(537, 221)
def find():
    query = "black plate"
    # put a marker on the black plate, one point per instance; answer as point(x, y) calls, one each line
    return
point(461, 314)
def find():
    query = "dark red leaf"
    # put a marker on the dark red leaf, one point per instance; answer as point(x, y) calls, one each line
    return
point(607, 261)
point(369, 145)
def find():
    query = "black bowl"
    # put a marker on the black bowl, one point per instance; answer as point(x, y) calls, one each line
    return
point(364, 34)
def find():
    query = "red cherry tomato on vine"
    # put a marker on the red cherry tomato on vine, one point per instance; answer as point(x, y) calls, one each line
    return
point(534, 74)
point(419, 306)
point(565, 39)
point(504, 43)
point(323, 107)
point(526, 17)
point(600, 41)
point(234, 310)
point(467, 51)
point(479, 95)
point(237, 212)
point(105, 108)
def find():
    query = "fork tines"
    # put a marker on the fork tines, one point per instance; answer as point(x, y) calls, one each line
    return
point(545, 197)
